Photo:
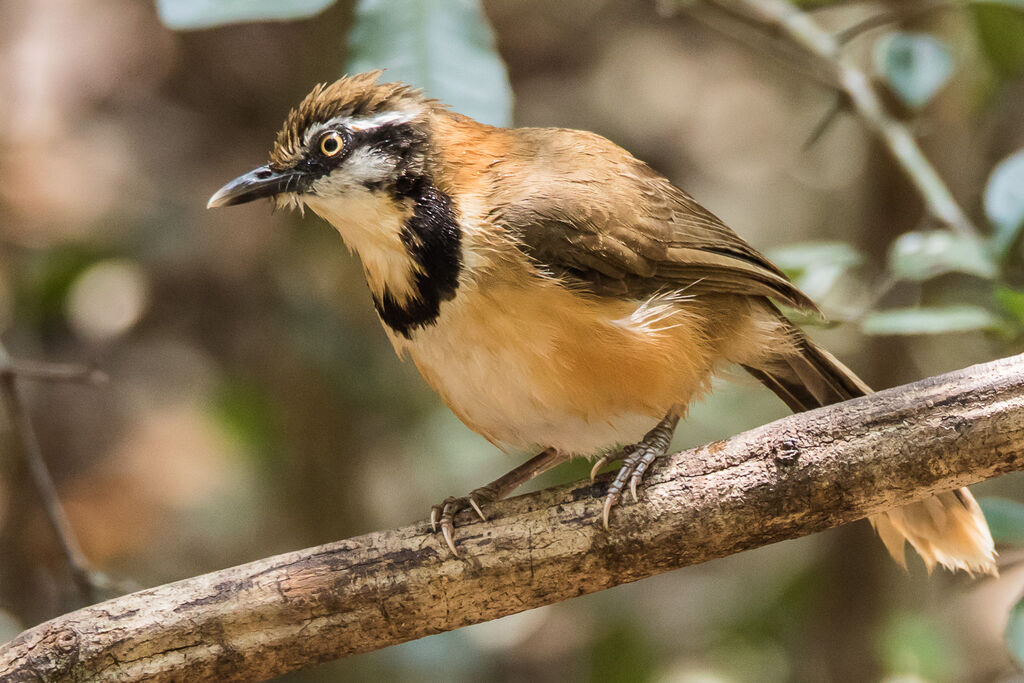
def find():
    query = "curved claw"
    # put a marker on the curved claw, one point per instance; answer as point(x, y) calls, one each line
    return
point(446, 530)
point(443, 515)
point(638, 459)
point(476, 508)
point(609, 503)
point(601, 462)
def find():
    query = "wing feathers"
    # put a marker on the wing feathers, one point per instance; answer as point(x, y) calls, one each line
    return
point(604, 219)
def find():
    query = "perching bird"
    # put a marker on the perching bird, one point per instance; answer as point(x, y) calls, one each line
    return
point(557, 292)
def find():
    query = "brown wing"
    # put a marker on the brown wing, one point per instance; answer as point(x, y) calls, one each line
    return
point(595, 214)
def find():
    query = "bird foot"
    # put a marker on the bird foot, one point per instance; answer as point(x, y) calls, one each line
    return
point(637, 458)
point(443, 515)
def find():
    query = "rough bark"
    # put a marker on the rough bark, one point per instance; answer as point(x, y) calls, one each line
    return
point(793, 477)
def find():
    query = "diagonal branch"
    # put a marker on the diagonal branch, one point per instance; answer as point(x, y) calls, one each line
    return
point(88, 582)
point(801, 29)
point(790, 478)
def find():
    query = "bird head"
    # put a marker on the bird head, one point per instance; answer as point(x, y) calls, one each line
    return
point(352, 137)
point(362, 155)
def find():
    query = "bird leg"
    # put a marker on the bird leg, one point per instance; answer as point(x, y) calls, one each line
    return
point(495, 491)
point(637, 458)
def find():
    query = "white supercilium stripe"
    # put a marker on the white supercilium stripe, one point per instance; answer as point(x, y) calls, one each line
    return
point(360, 124)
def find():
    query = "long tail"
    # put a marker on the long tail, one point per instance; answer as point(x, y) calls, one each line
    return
point(947, 529)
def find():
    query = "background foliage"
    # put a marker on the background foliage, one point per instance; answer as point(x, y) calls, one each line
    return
point(255, 405)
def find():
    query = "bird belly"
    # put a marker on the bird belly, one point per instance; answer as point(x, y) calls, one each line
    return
point(539, 365)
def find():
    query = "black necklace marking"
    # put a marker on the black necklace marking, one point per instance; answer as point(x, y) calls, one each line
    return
point(433, 238)
point(431, 235)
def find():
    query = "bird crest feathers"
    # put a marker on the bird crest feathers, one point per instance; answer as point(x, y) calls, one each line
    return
point(351, 96)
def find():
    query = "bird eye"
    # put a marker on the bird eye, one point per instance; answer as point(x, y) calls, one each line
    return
point(331, 144)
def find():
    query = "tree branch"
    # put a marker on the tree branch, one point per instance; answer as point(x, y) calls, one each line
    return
point(801, 29)
point(89, 583)
point(790, 478)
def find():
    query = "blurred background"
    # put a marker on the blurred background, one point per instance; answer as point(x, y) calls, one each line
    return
point(255, 406)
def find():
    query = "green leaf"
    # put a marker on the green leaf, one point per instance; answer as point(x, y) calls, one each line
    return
point(935, 320)
point(192, 14)
point(1011, 301)
point(1005, 519)
point(42, 293)
point(816, 266)
point(445, 47)
point(916, 65)
point(916, 647)
point(802, 255)
point(922, 255)
point(1004, 200)
point(1000, 29)
point(1015, 633)
point(245, 411)
point(619, 653)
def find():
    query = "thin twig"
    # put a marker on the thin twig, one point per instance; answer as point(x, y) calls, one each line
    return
point(89, 583)
point(742, 30)
point(881, 19)
point(836, 108)
point(783, 18)
point(57, 372)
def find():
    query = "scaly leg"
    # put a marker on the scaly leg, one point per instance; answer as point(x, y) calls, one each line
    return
point(638, 457)
point(495, 491)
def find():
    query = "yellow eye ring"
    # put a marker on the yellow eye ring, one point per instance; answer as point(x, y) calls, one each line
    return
point(331, 144)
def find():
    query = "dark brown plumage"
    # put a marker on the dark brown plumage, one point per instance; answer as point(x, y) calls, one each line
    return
point(635, 236)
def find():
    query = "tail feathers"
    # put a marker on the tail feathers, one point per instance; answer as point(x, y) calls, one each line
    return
point(947, 529)
point(806, 376)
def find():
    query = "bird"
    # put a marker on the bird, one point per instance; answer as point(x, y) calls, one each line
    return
point(558, 293)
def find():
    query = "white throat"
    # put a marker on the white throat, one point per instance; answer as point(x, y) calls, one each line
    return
point(371, 224)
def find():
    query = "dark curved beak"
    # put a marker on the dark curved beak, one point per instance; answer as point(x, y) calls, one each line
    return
point(256, 184)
